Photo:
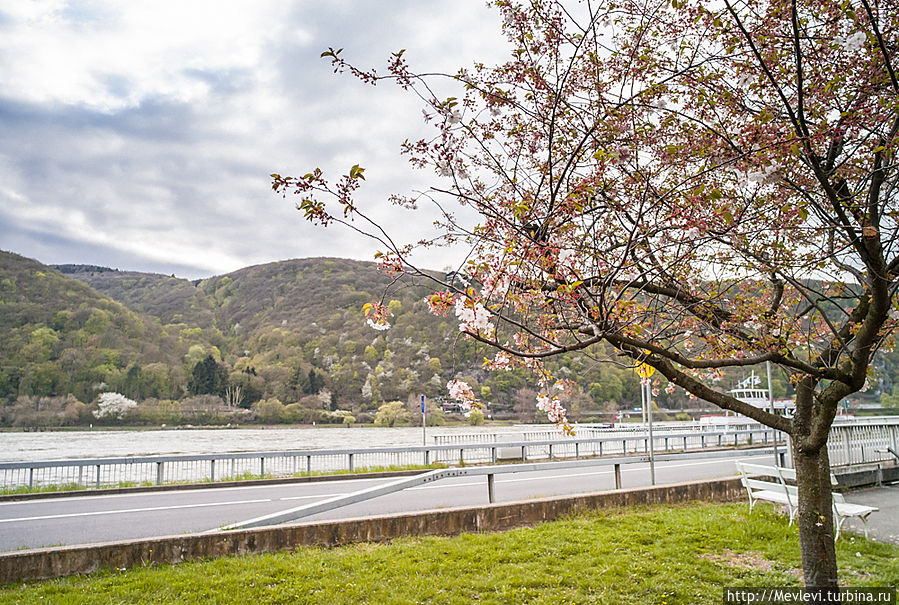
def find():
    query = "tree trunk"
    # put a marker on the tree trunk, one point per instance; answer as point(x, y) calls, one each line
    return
point(815, 517)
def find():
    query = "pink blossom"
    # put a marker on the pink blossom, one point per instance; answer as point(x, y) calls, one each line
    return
point(473, 317)
point(461, 392)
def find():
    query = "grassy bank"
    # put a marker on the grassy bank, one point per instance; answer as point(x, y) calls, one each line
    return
point(666, 556)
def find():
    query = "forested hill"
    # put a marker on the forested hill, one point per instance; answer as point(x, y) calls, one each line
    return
point(170, 299)
point(287, 330)
point(290, 331)
point(60, 336)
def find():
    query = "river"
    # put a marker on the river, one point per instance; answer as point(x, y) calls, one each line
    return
point(63, 445)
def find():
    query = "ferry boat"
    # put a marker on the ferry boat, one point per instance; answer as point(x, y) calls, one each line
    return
point(747, 391)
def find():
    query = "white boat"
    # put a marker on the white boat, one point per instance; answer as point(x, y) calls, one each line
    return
point(747, 391)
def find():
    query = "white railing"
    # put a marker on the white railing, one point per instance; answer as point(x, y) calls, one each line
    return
point(863, 442)
point(157, 470)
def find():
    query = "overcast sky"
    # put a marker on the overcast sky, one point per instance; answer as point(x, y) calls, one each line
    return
point(140, 135)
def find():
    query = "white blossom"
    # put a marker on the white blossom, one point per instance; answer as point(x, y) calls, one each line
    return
point(855, 41)
point(113, 405)
point(473, 317)
point(378, 326)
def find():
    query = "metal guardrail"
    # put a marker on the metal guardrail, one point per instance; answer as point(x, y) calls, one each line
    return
point(863, 443)
point(150, 470)
point(859, 441)
point(335, 502)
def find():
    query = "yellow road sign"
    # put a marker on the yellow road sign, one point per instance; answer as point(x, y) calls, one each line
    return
point(644, 370)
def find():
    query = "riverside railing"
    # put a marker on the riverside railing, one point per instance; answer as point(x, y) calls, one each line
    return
point(158, 470)
point(863, 442)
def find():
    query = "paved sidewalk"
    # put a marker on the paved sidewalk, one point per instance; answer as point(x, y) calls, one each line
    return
point(883, 525)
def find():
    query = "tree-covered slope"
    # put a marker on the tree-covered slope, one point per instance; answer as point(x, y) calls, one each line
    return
point(291, 331)
point(170, 299)
point(59, 335)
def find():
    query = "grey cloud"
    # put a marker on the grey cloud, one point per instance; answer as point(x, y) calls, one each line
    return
point(191, 180)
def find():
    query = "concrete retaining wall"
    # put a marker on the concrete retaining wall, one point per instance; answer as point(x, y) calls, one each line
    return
point(68, 560)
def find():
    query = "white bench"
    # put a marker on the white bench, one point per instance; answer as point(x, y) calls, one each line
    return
point(777, 490)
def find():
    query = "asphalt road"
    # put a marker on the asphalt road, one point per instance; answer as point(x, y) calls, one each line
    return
point(103, 518)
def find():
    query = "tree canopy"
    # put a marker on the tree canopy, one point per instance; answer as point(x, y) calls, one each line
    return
point(700, 185)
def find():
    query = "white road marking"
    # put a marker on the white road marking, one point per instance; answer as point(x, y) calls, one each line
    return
point(459, 482)
point(131, 510)
point(322, 496)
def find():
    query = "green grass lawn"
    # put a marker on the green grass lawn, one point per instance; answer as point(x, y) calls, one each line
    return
point(662, 555)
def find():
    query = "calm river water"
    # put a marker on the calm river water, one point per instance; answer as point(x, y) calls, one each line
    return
point(15, 447)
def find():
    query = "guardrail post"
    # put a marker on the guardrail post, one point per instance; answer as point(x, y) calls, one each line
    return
point(577, 449)
point(847, 447)
point(685, 443)
point(309, 464)
point(427, 457)
point(212, 470)
point(550, 451)
point(617, 476)
point(30, 478)
point(80, 475)
point(490, 488)
point(262, 466)
point(493, 455)
point(524, 453)
point(98, 476)
point(350, 462)
point(159, 473)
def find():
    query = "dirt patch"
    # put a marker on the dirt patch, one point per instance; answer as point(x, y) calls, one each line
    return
point(748, 560)
point(742, 560)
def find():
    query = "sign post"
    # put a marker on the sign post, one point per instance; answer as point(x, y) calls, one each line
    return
point(424, 438)
point(777, 461)
point(645, 371)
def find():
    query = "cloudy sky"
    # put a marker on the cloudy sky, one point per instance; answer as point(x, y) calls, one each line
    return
point(140, 134)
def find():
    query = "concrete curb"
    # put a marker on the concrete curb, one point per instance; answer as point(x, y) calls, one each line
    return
point(61, 561)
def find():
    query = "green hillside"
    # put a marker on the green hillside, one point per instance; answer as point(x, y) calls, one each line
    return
point(59, 336)
point(283, 341)
point(170, 299)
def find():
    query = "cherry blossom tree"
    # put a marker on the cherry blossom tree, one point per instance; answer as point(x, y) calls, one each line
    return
point(700, 185)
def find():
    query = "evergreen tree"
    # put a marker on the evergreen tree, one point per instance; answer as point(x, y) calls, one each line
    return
point(208, 377)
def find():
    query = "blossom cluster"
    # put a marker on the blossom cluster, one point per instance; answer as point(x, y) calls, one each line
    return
point(552, 406)
point(473, 317)
point(461, 392)
point(376, 315)
point(113, 405)
point(439, 302)
point(500, 361)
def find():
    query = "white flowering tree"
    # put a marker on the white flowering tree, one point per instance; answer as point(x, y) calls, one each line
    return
point(113, 405)
point(701, 185)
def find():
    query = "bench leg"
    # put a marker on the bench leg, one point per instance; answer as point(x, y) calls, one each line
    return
point(840, 528)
